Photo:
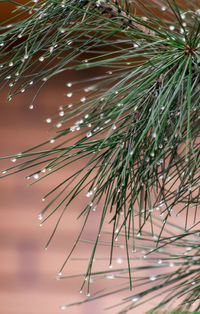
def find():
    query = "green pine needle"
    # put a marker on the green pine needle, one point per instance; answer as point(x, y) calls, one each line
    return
point(137, 128)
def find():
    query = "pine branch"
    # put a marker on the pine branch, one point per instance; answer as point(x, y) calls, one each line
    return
point(173, 271)
point(137, 126)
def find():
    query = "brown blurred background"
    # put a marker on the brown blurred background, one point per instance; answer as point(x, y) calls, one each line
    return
point(27, 271)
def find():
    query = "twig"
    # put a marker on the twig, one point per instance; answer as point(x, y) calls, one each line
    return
point(115, 12)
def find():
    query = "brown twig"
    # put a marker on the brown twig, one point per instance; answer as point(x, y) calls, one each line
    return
point(126, 18)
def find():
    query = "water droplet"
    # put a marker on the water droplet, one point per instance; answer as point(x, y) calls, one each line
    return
point(107, 121)
point(134, 299)
point(89, 134)
point(152, 278)
point(52, 141)
point(62, 30)
point(48, 120)
point(88, 294)
point(159, 261)
point(89, 193)
point(36, 176)
point(13, 159)
point(40, 225)
point(171, 27)
point(61, 113)
point(110, 266)
point(119, 260)
point(11, 64)
point(40, 216)
point(60, 273)
point(69, 84)
point(59, 124)
point(163, 8)
point(63, 307)
point(94, 208)
point(43, 199)
point(171, 264)
point(83, 99)
point(51, 49)
point(69, 95)
point(41, 59)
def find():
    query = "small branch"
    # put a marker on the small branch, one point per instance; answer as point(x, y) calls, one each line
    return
point(117, 12)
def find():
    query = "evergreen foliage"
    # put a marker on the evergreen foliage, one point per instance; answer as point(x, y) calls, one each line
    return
point(137, 128)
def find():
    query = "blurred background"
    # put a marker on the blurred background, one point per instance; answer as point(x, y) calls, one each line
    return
point(27, 271)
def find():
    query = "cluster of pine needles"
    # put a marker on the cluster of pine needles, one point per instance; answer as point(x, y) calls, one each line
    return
point(136, 128)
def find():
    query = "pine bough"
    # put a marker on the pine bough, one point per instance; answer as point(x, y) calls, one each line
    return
point(137, 129)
